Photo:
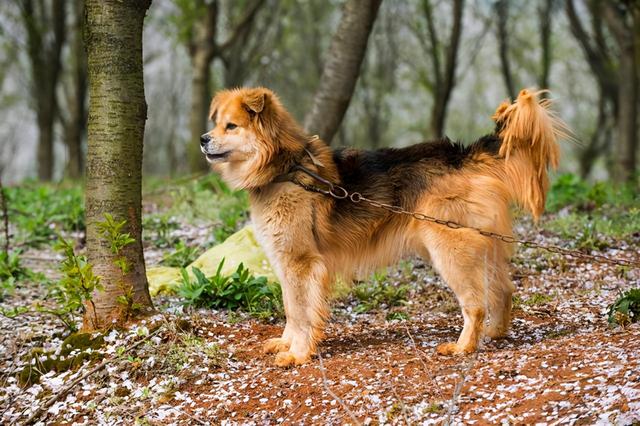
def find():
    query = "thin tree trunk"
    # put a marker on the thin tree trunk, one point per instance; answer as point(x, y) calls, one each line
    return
point(625, 148)
point(198, 116)
point(597, 143)
point(44, 55)
point(203, 48)
point(75, 125)
point(443, 92)
point(342, 68)
point(117, 114)
point(502, 14)
point(545, 21)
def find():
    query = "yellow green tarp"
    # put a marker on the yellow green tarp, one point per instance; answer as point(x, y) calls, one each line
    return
point(240, 247)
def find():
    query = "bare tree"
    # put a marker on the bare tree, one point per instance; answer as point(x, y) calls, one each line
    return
point(74, 116)
point(199, 26)
point(620, 21)
point(342, 68)
point(616, 72)
point(117, 115)
point(378, 79)
point(444, 73)
point(502, 18)
point(545, 21)
point(44, 22)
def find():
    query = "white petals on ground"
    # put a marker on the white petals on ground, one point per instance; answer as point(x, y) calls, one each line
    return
point(560, 364)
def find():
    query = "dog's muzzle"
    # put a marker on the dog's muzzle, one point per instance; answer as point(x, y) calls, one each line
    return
point(213, 155)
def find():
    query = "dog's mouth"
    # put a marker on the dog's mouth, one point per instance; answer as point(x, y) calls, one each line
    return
point(217, 157)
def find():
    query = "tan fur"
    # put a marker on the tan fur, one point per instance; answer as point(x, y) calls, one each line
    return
point(310, 239)
point(529, 135)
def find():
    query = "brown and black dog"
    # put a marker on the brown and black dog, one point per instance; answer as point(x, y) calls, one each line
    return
point(311, 239)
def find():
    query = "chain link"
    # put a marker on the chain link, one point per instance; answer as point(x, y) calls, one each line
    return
point(340, 193)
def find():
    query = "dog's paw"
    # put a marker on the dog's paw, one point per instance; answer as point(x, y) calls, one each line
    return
point(496, 332)
point(273, 346)
point(289, 359)
point(453, 349)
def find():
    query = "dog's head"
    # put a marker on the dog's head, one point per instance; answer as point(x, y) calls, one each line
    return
point(247, 134)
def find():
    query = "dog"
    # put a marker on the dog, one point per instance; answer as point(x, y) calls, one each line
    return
point(311, 239)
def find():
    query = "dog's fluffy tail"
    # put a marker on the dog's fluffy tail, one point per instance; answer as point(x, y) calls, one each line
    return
point(529, 132)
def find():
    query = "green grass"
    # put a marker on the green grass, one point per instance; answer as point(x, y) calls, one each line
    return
point(591, 215)
point(39, 210)
point(379, 293)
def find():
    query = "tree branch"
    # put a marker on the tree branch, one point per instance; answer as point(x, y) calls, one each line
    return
point(242, 26)
point(434, 43)
point(600, 66)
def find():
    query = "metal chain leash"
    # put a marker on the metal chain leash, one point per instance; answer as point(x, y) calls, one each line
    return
point(340, 193)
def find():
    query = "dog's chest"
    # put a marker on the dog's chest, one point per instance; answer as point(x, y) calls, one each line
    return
point(282, 219)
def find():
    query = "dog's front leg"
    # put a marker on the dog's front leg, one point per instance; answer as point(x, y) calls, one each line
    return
point(304, 290)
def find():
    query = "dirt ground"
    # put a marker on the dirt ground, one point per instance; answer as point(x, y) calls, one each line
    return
point(560, 364)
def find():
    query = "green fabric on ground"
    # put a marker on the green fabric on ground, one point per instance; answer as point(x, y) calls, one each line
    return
point(240, 247)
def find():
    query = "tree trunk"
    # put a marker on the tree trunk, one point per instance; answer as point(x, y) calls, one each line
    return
point(625, 148)
point(44, 56)
point(198, 116)
point(117, 114)
point(443, 91)
point(502, 15)
point(342, 68)
point(75, 123)
point(545, 17)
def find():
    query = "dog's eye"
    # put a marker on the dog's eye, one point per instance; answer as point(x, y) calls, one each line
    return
point(231, 126)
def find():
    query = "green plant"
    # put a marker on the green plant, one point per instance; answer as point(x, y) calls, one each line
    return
point(378, 292)
point(626, 309)
point(181, 256)
point(11, 271)
point(40, 211)
point(240, 290)
point(158, 230)
point(570, 190)
point(76, 286)
point(538, 299)
point(111, 231)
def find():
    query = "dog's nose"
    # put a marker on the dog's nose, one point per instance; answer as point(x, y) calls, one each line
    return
point(204, 139)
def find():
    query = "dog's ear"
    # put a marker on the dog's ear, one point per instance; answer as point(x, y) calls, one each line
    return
point(255, 101)
point(213, 108)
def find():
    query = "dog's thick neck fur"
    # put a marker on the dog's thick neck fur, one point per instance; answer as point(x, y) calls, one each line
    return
point(294, 147)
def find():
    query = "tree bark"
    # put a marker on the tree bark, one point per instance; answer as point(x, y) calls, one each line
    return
point(117, 115)
point(443, 89)
point(44, 56)
point(502, 15)
point(342, 68)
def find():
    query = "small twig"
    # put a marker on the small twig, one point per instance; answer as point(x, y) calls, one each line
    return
point(64, 391)
point(427, 370)
point(5, 215)
point(195, 418)
point(458, 389)
point(403, 406)
point(333, 395)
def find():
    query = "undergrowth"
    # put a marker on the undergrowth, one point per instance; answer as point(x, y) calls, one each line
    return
point(40, 211)
point(626, 309)
point(238, 291)
point(592, 216)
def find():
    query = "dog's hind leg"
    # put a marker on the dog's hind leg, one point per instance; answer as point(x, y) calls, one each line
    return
point(459, 256)
point(499, 302)
point(305, 284)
